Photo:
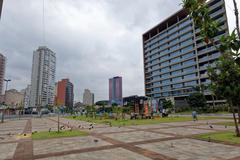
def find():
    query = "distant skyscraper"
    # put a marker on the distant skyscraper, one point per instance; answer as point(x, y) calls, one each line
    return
point(27, 93)
point(43, 77)
point(88, 97)
point(65, 95)
point(115, 90)
point(2, 71)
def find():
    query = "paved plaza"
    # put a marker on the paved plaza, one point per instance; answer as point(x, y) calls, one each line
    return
point(164, 141)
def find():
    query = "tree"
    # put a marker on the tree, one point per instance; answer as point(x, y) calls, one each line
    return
point(167, 104)
point(125, 110)
point(225, 75)
point(117, 110)
point(91, 110)
point(50, 108)
point(225, 82)
point(197, 101)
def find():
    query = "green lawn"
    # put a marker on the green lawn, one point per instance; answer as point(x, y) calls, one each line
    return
point(190, 112)
point(226, 123)
point(128, 122)
point(55, 134)
point(221, 136)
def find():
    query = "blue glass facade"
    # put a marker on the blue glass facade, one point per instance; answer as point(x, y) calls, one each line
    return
point(176, 57)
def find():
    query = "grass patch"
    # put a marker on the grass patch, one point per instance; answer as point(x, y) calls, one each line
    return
point(190, 112)
point(55, 134)
point(127, 122)
point(221, 136)
point(226, 123)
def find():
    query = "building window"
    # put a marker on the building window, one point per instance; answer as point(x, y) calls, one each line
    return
point(187, 49)
point(189, 69)
point(188, 55)
point(165, 88)
point(190, 76)
point(176, 73)
point(165, 69)
point(189, 62)
point(176, 66)
point(166, 75)
point(180, 85)
point(177, 79)
point(190, 83)
point(167, 81)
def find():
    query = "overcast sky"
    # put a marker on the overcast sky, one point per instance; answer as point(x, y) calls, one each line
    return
point(93, 40)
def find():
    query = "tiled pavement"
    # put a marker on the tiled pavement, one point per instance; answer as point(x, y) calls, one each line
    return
point(135, 136)
point(7, 150)
point(111, 154)
point(160, 141)
point(72, 143)
point(184, 149)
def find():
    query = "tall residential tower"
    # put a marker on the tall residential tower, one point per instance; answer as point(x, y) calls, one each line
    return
point(43, 77)
point(176, 57)
point(115, 90)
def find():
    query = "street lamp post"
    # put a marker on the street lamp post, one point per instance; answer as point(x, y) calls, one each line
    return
point(7, 80)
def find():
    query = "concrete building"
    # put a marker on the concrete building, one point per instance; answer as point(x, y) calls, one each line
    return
point(14, 98)
point(27, 94)
point(65, 95)
point(176, 57)
point(2, 72)
point(115, 90)
point(43, 77)
point(88, 97)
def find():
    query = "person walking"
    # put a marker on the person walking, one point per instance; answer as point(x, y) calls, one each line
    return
point(194, 116)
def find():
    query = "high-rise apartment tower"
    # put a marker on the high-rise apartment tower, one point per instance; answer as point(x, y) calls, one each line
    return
point(43, 77)
point(176, 57)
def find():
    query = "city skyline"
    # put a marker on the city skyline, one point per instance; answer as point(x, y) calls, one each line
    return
point(82, 42)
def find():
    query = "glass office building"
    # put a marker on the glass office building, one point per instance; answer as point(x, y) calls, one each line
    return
point(176, 57)
point(115, 90)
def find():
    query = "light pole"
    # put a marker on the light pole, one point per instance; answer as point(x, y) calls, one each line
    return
point(7, 80)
